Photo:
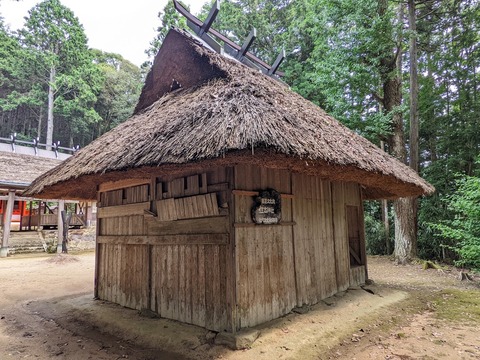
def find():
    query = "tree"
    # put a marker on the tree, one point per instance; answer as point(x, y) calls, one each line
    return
point(121, 86)
point(62, 62)
point(464, 228)
point(357, 60)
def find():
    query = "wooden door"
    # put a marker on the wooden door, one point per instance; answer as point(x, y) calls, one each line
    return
point(354, 236)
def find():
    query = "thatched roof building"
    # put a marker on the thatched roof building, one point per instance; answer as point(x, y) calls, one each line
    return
point(225, 113)
point(227, 199)
point(17, 171)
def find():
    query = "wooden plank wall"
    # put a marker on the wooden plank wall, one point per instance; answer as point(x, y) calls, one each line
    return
point(168, 249)
point(315, 257)
point(264, 254)
point(320, 236)
point(187, 248)
point(190, 280)
point(123, 269)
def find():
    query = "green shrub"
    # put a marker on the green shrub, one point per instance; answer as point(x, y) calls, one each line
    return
point(464, 229)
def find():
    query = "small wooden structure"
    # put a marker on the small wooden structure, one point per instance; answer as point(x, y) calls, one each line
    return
point(213, 142)
point(19, 166)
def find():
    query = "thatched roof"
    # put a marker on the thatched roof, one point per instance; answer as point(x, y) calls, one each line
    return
point(225, 113)
point(17, 171)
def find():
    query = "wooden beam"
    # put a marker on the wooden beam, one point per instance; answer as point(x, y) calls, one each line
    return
point(247, 43)
point(120, 184)
point(256, 193)
point(184, 239)
point(23, 198)
point(355, 256)
point(217, 187)
point(285, 223)
point(195, 21)
point(277, 63)
point(205, 37)
point(123, 210)
point(212, 15)
point(7, 223)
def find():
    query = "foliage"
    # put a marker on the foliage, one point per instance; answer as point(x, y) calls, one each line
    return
point(121, 86)
point(336, 53)
point(375, 236)
point(336, 58)
point(464, 228)
point(92, 91)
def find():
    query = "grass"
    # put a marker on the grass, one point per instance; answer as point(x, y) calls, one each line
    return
point(460, 306)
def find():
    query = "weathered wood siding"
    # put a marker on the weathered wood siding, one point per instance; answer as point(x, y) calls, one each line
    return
point(301, 261)
point(314, 239)
point(187, 247)
point(264, 253)
point(165, 245)
point(123, 270)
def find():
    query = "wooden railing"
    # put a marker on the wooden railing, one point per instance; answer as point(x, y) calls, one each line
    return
point(34, 147)
point(51, 220)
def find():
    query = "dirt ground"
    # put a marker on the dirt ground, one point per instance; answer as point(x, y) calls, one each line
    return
point(47, 311)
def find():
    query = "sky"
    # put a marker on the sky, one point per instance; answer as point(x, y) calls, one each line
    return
point(125, 27)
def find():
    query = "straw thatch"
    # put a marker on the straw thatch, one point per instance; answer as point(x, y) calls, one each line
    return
point(237, 116)
point(18, 170)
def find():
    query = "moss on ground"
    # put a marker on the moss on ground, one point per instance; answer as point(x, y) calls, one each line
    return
point(462, 306)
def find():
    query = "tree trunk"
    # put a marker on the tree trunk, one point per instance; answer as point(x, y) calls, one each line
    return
point(405, 232)
point(386, 224)
point(39, 128)
point(414, 125)
point(414, 122)
point(51, 93)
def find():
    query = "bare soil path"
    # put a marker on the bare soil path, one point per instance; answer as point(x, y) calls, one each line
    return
point(47, 312)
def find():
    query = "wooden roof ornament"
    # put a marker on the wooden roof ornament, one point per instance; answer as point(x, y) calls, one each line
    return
point(223, 113)
point(205, 32)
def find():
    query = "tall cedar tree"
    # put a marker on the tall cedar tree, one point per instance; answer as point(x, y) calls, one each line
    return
point(62, 62)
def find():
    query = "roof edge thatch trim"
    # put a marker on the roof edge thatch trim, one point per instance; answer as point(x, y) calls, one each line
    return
point(375, 184)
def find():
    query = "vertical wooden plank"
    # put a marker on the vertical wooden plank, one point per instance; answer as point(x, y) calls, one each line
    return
point(298, 238)
point(215, 286)
point(203, 187)
point(242, 276)
point(342, 268)
point(193, 285)
point(191, 273)
point(315, 221)
point(252, 281)
point(221, 313)
point(266, 240)
point(259, 272)
point(277, 274)
point(209, 287)
point(163, 289)
point(230, 257)
point(362, 230)
point(202, 285)
point(169, 307)
point(181, 298)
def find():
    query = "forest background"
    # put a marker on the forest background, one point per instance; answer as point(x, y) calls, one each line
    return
point(404, 74)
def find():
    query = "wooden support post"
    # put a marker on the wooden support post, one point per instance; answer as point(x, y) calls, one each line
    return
point(61, 207)
point(65, 225)
point(7, 221)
